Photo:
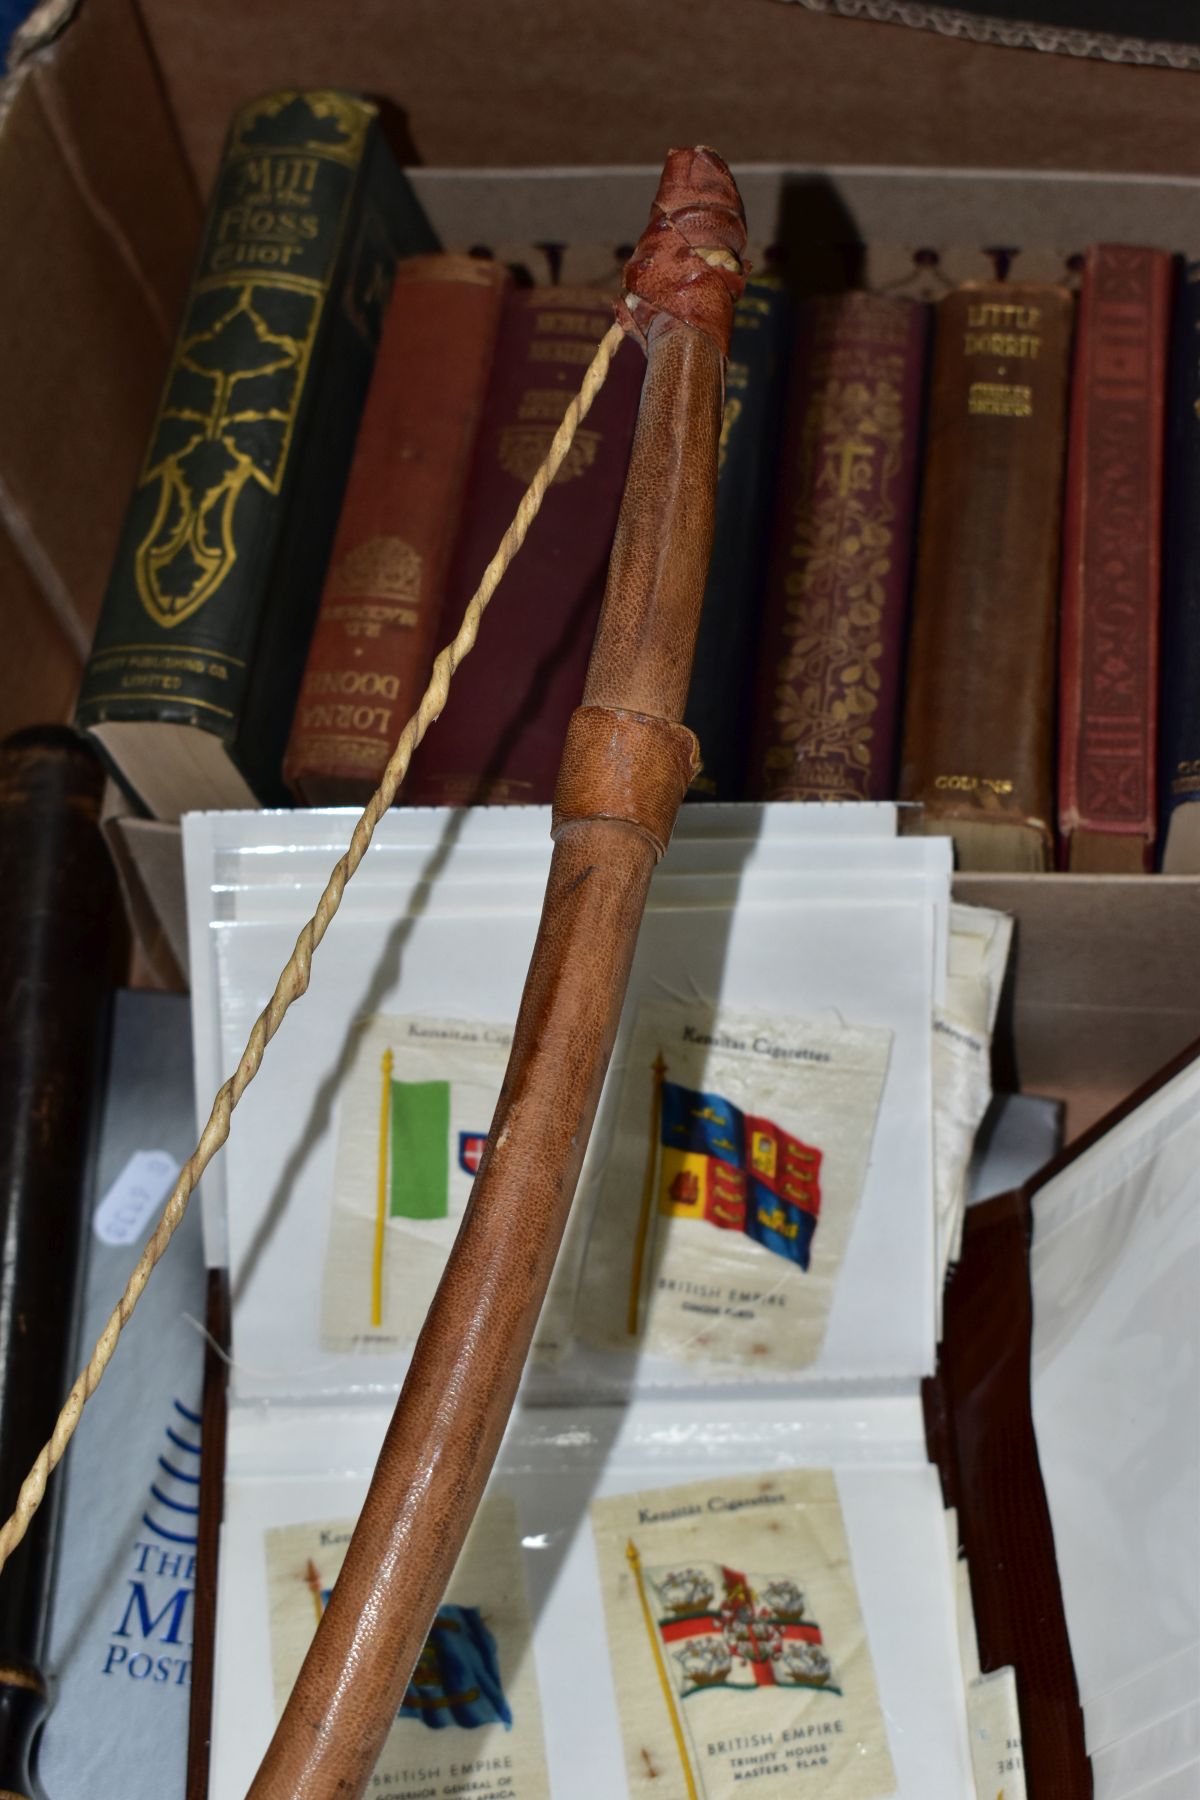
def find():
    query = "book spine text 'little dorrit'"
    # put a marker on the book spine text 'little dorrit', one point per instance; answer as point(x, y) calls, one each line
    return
point(979, 707)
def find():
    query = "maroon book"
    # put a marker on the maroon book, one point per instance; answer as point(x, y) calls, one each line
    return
point(1108, 646)
point(501, 734)
point(837, 594)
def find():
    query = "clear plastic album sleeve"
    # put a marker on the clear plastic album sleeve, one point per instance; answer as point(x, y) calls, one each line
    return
point(661, 1601)
point(757, 1203)
point(714, 1558)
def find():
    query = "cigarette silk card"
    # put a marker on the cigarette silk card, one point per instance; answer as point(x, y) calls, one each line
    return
point(738, 1646)
point(470, 1722)
point(417, 1100)
point(730, 1189)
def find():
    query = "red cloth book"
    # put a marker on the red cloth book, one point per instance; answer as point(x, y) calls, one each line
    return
point(373, 643)
point(1108, 647)
point(501, 735)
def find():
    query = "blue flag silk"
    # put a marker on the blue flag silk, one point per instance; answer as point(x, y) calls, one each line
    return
point(457, 1677)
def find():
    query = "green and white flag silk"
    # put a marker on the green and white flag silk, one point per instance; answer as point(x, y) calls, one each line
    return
point(413, 1117)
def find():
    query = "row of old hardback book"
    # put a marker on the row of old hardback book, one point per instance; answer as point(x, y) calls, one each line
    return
point(940, 530)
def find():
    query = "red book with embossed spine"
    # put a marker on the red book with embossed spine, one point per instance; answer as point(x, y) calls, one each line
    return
point(1108, 653)
point(837, 593)
point(502, 732)
point(374, 642)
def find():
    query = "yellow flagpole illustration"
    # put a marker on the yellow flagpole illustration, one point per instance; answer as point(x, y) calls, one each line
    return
point(646, 1213)
point(312, 1581)
point(635, 1563)
point(385, 1102)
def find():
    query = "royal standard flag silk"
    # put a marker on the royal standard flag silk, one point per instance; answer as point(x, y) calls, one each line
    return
point(738, 1172)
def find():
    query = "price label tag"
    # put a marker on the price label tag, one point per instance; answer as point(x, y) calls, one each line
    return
point(135, 1196)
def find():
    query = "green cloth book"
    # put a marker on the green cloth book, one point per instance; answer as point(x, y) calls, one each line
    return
point(202, 637)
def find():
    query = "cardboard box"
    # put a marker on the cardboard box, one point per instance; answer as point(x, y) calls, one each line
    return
point(109, 131)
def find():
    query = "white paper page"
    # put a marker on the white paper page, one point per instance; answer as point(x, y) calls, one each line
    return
point(1163, 1688)
point(287, 831)
point(1148, 1756)
point(265, 883)
point(247, 882)
point(475, 883)
point(228, 855)
point(870, 965)
point(555, 1466)
point(231, 852)
point(1116, 1373)
point(1180, 1784)
point(789, 818)
point(977, 955)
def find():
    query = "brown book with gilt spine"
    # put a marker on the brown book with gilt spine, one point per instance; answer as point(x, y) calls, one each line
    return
point(979, 711)
point(1108, 655)
point(837, 593)
point(374, 639)
point(501, 734)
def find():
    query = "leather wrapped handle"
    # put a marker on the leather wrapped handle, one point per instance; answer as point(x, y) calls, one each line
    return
point(624, 765)
point(615, 812)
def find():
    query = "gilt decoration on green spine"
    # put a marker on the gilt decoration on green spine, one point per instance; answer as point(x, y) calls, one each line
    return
point(218, 570)
point(241, 361)
point(227, 419)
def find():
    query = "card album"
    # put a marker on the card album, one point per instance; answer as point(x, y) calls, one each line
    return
point(723, 1547)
